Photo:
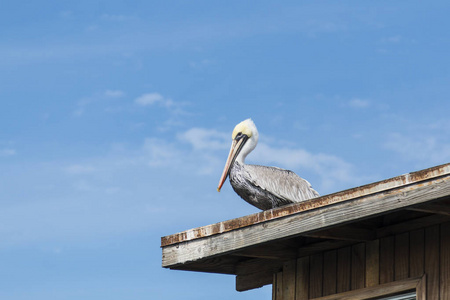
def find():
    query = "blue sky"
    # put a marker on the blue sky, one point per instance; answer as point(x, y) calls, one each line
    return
point(116, 120)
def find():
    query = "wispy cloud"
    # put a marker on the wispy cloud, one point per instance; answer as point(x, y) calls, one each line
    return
point(421, 142)
point(209, 139)
point(419, 148)
point(333, 171)
point(7, 152)
point(152, 99)
point(359, 103)
point(85, 102)
point(175, 109)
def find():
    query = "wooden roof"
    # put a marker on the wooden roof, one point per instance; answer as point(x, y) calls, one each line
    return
point(263, 240)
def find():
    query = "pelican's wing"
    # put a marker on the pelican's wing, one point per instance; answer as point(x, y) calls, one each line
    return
point(284, 184)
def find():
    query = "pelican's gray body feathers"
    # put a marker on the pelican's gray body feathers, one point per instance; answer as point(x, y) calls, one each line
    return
point(269, 187)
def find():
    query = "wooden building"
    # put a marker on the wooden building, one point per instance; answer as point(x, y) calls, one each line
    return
point(385, 240)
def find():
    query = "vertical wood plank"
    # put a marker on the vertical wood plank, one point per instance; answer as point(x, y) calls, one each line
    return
point(344, 259)
point(329, 271)
point(445, 261)
point(315, 275)
point(302, 280)
point(372, 263)
point(279, 286)
point(358, 266)
point(274, 287)
point(432, 261)
point(401, 257)
point(421, 293)
point(416, 252)
point(289, 271)
point(386, 259)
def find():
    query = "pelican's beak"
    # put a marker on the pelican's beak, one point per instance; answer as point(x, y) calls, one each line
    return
point(236, 147)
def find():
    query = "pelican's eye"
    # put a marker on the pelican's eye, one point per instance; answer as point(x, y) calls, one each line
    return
point(238, 136)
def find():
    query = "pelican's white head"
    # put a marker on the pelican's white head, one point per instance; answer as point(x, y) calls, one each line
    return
point(247, 130)
point(245, 137)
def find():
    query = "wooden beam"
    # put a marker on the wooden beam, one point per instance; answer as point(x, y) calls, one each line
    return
point(372, 263)
point(253, 280)
point(302, 279)
point(379, 291)
point(305, 222)
point(432, 208)
point(276, 252)
point(411, 225)
point(346, 233)
point(221, 265)
point(445, 261)
point(322, 246)
point(258, 265)
point(289, 273)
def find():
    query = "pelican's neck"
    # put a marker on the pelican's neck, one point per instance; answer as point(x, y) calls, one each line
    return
point(247, 148)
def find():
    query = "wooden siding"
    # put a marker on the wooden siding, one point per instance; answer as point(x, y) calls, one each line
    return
point(366, 265)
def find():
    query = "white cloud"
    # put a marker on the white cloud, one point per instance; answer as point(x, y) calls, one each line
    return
point(97, 98)
point(206, 139)
point(7, 152)
point(149, 99)
point(421, 148)
point(153, 98)
point(332, 170)
point(175, 109)
point(160, 153)
point(359, 103)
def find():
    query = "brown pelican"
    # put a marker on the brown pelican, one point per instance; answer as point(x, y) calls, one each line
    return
point(261, 186)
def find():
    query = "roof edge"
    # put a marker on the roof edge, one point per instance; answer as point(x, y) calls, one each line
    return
point(326, 200)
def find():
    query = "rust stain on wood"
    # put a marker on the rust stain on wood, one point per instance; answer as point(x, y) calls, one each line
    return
point(369, 189)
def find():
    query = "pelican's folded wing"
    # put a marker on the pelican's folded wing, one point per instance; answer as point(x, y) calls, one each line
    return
point(284, 184)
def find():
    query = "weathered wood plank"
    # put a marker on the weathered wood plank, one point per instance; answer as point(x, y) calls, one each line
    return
point(401, 256)
point(330, 272)
point(344, 258)
point(369, 189)
point(258, 265)
point(433, 209)
point(372, 263)
point(253, 281)
point(346, 233)
point(316, 275)
point(322, 246)
point(432, 261)
point(445, 262)
point(296, 224)
point(279, 286)
point(358, 266)
point(221, 265)
point(386, 259)
point(302, 279)
point(289, 274)
point(412, 225)
point(274, 287)
point(376, 291)
point(268, 252)
point(421, 288)
point(416, 253)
